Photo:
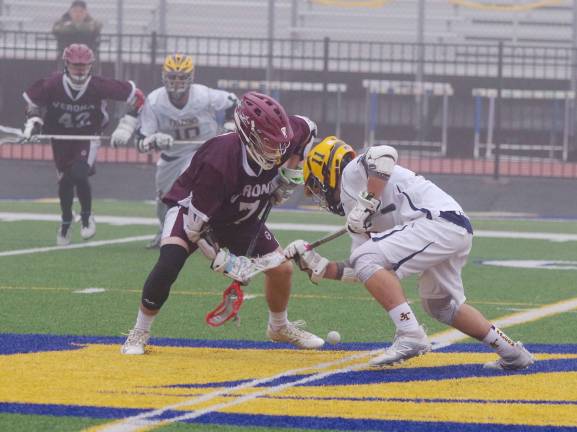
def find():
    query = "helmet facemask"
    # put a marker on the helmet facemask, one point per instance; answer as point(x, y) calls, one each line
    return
point(324, 196)
point(177, 84)
point(78, 74)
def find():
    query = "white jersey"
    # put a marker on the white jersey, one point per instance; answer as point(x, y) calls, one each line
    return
point(196, 121)
point(413, 196)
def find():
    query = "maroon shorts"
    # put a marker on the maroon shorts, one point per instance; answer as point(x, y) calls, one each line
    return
point(236, 238)
point(67, 152)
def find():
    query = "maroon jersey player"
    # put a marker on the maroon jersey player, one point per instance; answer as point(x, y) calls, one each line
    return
point(229, 181)
point(73, 103)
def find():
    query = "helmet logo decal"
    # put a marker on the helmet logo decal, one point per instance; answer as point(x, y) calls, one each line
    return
point(283, 131)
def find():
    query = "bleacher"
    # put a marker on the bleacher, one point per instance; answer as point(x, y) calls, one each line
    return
point(396, 21)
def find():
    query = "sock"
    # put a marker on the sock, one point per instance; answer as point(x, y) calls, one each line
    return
point(84, 192)
point(143, 321)
point(85, 217)
point(405, 320)
point(500, 342)
point(277, 320)
point(66, 195)
point(64, 227)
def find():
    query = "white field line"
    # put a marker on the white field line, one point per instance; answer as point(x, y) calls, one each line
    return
point(447, 338)
point(146, 421)
point(76, 246)
point(123, 220)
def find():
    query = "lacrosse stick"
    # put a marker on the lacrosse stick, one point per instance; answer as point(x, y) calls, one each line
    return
point(260, 267)
point(233, 296)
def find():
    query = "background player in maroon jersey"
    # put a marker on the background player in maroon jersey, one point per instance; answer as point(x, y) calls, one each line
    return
point(228, 183)
point(73, 103)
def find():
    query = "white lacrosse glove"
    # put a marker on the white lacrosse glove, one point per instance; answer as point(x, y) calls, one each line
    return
point(228, 126)
point(285, 183)
point(123, 132)
point(33, 126)
point(197, 232)
point(359, 219)
point(235, 267)
point(307, 259)
point(157, 141)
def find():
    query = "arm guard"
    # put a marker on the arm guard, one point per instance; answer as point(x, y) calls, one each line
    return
point(345, 273)
point(379, 161)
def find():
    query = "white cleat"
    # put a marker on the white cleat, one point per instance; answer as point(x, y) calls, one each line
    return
point(294, 334)
point(135, 342)
point(88, 231)
point(521, 360)
point(64, 234)
point(403, 348)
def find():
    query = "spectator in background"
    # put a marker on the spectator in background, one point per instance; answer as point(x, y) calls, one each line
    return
point(77, 26)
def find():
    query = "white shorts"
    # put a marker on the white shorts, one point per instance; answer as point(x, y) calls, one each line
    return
point(168, 171)
point(434, 248)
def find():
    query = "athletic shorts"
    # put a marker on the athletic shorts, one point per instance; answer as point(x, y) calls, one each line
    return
point(168, 169)
point(67, 152)
point(435, 249)
point(236, 238)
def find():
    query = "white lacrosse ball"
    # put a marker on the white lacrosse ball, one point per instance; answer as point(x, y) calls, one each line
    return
point(333, 337)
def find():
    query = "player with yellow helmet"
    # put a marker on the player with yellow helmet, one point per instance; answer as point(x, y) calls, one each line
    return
point(322, 172)
point(177, 75)
point(181, 111)
point(401, 224)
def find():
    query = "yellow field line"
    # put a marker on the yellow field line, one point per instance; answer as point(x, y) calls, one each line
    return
point(149, 420)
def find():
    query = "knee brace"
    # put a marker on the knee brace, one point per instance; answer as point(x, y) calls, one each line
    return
point(443, 309)
point(157, 286)
point(367, 260)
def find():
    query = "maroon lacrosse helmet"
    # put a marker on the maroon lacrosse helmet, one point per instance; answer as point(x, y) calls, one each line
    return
point(78, 61)
point(264, 127)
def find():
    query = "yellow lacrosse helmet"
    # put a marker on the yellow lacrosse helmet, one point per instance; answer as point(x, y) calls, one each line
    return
point(322, 170)
point(177, 74)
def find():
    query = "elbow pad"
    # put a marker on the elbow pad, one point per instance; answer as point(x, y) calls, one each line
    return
point(379, 161)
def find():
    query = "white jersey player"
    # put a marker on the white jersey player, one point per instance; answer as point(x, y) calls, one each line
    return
point(181, 111)
point(401, 224)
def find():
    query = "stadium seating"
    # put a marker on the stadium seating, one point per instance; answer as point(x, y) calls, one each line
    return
point(396, 21)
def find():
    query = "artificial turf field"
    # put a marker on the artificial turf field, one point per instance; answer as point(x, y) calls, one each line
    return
point(63, 312)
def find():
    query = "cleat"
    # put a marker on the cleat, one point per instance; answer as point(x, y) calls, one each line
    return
point(155, 242)
point(88, 229)
point(63, 234)
point(135, 342)
point(295, 335)
point(522, 359)
point(403, 348)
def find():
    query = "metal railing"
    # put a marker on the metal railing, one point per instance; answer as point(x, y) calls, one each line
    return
point(457, 120)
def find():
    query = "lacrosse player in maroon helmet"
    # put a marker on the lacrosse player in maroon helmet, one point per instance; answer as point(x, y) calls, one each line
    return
point(215, 206)
point(73, 103)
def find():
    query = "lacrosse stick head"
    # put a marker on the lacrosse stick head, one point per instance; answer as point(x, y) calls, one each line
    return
point(232, 299)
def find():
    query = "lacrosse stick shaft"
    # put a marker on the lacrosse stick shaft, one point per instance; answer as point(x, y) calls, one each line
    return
point(311, 246)
point(188, 142)
point(328, 238)
point(262, 221)
point(73, 137)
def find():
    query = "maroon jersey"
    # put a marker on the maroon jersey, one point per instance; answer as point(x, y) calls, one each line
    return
point(69, 112)
point(224, 186)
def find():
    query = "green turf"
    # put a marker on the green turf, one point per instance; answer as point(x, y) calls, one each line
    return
point(29, 423)
point(37, 423)
point(38, 290)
